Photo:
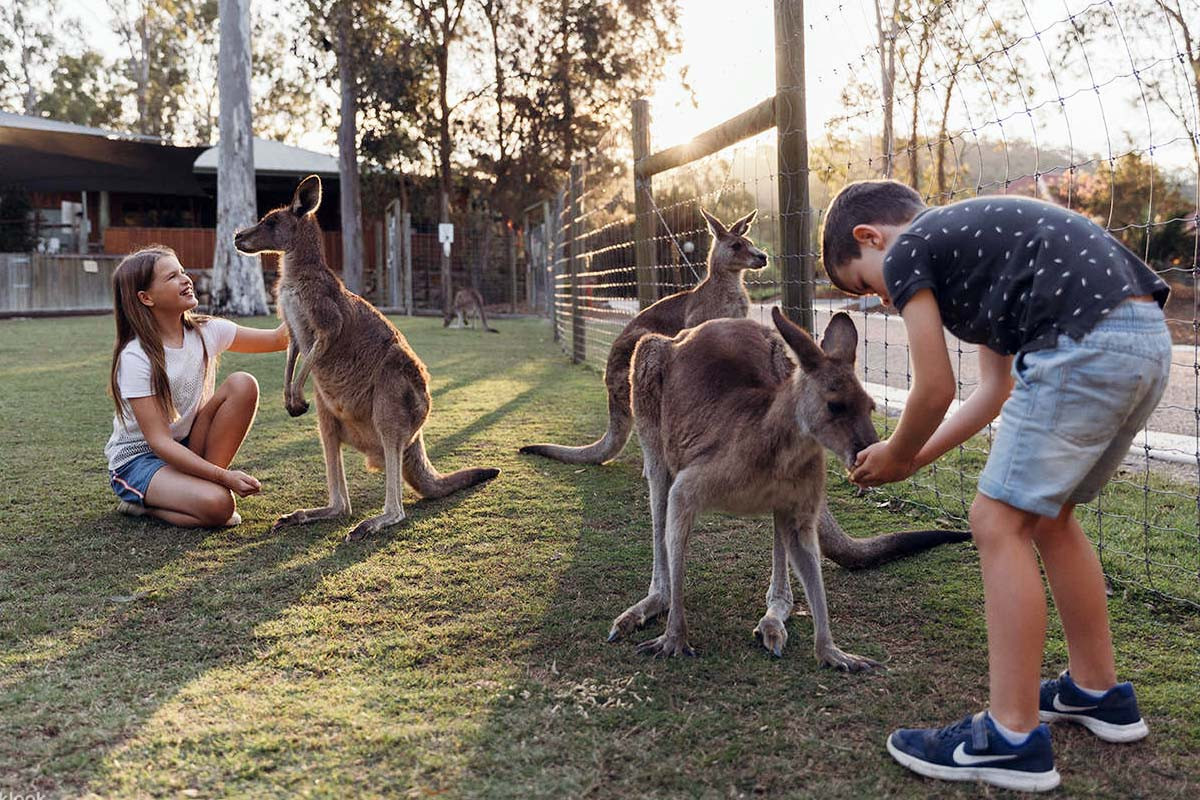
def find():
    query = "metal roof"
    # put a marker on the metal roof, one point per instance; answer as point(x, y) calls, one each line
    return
point(277, 158)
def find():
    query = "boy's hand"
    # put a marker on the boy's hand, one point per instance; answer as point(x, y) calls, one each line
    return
point(876, 465)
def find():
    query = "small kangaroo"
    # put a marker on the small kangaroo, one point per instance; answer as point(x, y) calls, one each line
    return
point(466, 303)
point(727, 421)
point(371, 389)
point(722, 293)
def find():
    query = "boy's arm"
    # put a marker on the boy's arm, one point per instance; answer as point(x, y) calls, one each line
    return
point(259, 340)
point(931, 395)
point(995, 384)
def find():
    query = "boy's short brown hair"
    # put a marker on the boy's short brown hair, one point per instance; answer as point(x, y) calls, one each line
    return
point(884, 202)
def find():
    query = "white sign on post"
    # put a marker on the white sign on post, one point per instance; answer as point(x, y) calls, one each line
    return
point(446, 236)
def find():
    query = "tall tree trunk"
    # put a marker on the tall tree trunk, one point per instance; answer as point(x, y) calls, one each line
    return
point(887, 70)
point(237, 280)
point(444, 160)
point(350, 190)
point(941, 144)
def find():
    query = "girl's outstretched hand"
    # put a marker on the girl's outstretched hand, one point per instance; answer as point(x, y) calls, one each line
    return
point(240, 483)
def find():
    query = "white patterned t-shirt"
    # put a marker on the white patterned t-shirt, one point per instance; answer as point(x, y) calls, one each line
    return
point(190, 386)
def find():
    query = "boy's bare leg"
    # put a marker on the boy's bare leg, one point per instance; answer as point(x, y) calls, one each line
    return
point(1015, 606)
point(1077, 581)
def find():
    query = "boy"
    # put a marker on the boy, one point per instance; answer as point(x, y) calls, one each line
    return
point(1082, 316)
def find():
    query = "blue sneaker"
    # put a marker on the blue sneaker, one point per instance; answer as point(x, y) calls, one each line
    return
point(1114, 716)
point(973, 750)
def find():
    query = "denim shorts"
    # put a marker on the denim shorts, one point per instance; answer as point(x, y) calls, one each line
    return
point(1075, 410)
point(130, 480)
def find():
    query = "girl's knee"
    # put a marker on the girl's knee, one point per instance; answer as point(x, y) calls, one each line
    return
point(243, 385)
point(215, 507)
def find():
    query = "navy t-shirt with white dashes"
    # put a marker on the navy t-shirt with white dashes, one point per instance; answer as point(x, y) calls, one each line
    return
point(1013, 273)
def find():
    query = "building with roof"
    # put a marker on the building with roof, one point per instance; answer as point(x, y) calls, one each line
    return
point(95, 190)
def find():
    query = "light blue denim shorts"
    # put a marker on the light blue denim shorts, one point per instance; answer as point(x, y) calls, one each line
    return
point(1075, 410)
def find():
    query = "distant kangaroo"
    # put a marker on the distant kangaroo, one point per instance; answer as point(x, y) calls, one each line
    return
point(726, 420)
point(467, 302)
point(722, 294)
point(371, 389)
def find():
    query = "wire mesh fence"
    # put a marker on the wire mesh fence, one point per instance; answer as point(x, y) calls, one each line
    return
point(1090, 105)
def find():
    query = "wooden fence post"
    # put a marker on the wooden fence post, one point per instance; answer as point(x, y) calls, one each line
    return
point(394, 249)
point(796, 257)
point(406, 264)
point(578, 340)
point(643, 204)
point(512, 266)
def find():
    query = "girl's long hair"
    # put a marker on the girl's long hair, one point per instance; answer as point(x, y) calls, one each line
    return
point(134, 274)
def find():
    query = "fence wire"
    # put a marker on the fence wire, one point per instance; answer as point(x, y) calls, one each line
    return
point(1091, 105)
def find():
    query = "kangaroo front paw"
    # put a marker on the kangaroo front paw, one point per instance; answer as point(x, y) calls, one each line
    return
point(839, 659)
point(772, 634)
point(296, 408)
point(636, 616)
point(297, 517)
point(666, 646)
point(303, 516)
point(372, 525)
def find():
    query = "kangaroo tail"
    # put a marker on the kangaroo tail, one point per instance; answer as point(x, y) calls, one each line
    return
point(483, 315)
point(606, 448)
point(423, 477)
point(851, 553)
point(620, 425)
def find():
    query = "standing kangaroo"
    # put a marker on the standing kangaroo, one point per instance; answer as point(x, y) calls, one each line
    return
point(466, 303)
point(371, 389)
point(727, 421)
point(722, 294)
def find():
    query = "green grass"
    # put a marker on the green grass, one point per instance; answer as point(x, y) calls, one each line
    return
point(462, 654)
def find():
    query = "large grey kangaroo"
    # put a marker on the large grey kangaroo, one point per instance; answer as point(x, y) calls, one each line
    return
point(371, 389)
point(726, 420)
point(722, 294)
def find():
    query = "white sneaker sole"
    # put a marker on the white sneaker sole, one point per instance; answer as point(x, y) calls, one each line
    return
point(1108, 731)
point(1004, 778)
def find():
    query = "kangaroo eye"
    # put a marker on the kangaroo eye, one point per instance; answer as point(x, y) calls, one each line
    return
point(736, 246)
point(837, 409)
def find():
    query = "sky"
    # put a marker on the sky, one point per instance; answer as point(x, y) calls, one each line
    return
point(728, 54)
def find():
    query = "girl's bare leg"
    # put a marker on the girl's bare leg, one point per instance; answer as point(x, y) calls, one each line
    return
point(220, 428)
point(187, 501)
point(222, 423)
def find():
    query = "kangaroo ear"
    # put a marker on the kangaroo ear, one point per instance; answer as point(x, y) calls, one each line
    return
point(841, 338)
point(802, 344)
point(307, 197)
point(740, 227)
point(714, 224)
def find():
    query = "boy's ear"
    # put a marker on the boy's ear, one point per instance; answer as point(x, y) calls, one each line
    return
point(868, 236)
point(841, 338)
point(307, 197)
point(714, 224)
point(806, 350)
point(740, 227)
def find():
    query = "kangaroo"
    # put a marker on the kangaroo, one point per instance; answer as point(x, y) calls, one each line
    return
point(371, 389)
point(727, 421)
point(466, 303)
point(722, 294)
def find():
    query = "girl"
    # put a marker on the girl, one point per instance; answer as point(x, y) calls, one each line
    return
point(173, 436)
